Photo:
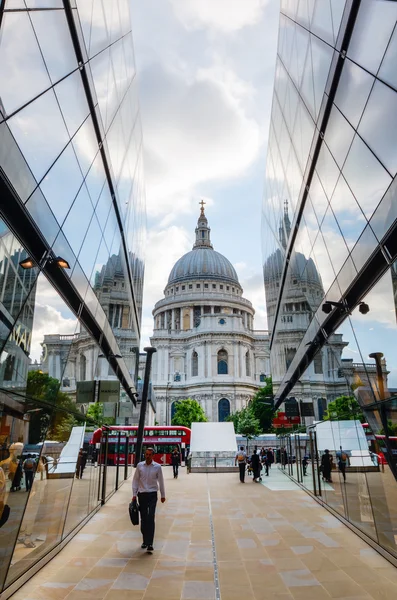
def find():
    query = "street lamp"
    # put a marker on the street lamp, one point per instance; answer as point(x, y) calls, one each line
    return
point(29, 263)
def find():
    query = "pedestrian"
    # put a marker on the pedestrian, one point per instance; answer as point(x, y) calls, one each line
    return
point(241, 460)
point(81, 463)
point(266, 464)
point(343, 462)
point(256, 466)
point(147, 479)
point(326, 466)
point(29, 468)
point(270, 457)
point(305, 462)
point(284, 457)
point(175, 461)
point(188, 460)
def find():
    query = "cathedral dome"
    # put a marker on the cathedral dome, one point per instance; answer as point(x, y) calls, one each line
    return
point(203, 262)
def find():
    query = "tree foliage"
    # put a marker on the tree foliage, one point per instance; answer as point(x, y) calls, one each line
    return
point(248, 425)
point(259, 409)
point(42, 396)
point(344, 408)
point(95, 412)
point(187, 412)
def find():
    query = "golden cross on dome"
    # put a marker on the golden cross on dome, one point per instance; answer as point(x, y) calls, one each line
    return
point(202, 206)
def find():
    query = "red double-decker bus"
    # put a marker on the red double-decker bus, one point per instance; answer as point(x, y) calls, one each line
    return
point(162, 439)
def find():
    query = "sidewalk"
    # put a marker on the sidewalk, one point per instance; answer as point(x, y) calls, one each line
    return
point(270, 543)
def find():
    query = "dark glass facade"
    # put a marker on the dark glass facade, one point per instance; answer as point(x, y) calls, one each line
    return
point(71, 186)
point(329, 235)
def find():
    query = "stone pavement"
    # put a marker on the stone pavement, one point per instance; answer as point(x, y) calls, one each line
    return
point(271, 541)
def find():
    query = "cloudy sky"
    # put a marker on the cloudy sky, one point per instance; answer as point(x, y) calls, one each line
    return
point(206, 70)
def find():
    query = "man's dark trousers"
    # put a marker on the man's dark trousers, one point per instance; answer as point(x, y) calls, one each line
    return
point(241, 466)
point(29, 478)
point(147, 508)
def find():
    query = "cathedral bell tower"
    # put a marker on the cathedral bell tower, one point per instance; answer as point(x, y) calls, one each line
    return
point(203, 239)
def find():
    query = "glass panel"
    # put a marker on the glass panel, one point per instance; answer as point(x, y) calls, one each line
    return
point(387, 70)
point(353, 90)
point(61, 184)
point(322, 21)
point(40, 133)
point(321, 57)
point(339, 136)
point(371, 34)
point(73, 101)
point(365, 176)
point(78, 219)
point(57, 49)
point(348, 214)
point(20, 62)
point(378, 131)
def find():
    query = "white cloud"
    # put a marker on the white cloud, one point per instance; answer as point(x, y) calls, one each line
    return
point(254, 290)
point(48, 320)
point(195, 131)
point(164, 247)
point(226, 16)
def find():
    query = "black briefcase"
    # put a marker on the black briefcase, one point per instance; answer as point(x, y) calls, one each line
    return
point(134, 512)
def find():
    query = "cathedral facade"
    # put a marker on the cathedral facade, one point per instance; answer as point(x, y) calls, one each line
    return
point(207, 347)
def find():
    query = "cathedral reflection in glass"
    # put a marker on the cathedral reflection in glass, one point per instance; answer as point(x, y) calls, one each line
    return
point(71, 186)
point(329, 236)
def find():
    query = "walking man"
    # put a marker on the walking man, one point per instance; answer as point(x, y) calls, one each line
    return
point(29, 467)
point(241, 460)
point(256, 466)
point(175, 461)
point(147, 479)
point(343, 461)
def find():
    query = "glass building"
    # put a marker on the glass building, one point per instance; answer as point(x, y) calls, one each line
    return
point(330, 249)
point(71, 188)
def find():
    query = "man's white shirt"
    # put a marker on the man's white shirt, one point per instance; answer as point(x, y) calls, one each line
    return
point(148, 478)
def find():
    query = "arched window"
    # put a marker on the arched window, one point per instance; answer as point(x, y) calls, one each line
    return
point(223, 409)
point(262, 377)
point(322, 407)
point(222, 362)
point(194, 364)
point(247, 365)
point(173, 409)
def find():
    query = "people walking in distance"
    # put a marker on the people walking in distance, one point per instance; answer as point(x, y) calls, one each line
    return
point(326, 466)
point(81, 463)
point(265, 464)
point(284, 457)
point(188, 461)
point(270, 457)
point(343, 462)
point(305, 462)
point(241, 460)
point(147, 479)
point(175, 461)
point(29, 468)
point(256, 466)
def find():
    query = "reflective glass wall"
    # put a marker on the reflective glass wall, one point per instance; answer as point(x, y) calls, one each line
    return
point(330, 217)
point(71, 188)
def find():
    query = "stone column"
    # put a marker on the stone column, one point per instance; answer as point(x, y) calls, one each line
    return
point(235, 350)
point(209, 361)
point(173, 318)
point(192, 318)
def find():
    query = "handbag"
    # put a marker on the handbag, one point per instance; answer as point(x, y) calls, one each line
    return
point(134, 512)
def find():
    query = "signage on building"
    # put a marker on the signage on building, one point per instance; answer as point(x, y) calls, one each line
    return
point(22, 337)
point(109, 409)
point(307, 409)
point(85, 392)
point(282, 420)
point(291, 408)
point(109, 391)
point(125, 410)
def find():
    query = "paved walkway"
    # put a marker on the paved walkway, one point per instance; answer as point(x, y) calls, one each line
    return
point(272, 541)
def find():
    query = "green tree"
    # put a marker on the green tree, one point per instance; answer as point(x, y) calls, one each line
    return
point(95, 412)
point(261, 406)
point(392, 428)
point(42, 396)
point(187, 412)
point(344, 408)
point(248, 425)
